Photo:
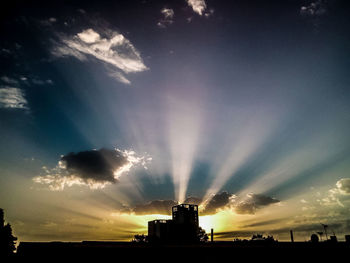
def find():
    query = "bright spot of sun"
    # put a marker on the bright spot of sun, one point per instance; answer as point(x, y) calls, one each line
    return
point(206, 222)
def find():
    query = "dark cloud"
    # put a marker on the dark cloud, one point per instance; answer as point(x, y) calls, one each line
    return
point(162, 207)
point(193, 200)
point(253, 203)
point(96, 165)
point(217, 201)
point(245, 208)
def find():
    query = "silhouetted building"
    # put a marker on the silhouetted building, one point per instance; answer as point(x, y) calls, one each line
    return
point(333, 239)
point(185, 214)
point(160, 230)
point(347, 239)
point(183, 228)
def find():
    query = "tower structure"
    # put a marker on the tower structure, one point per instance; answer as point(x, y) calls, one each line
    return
point(185, 223)
point(183, 228)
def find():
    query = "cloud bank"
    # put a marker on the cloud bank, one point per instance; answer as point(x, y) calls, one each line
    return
point(93, 168)
point(218, 202)
point(108, 47)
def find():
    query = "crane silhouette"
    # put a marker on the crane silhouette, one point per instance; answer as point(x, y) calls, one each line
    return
point(325, 230)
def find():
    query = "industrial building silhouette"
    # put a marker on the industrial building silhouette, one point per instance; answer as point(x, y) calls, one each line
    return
point(182, 228)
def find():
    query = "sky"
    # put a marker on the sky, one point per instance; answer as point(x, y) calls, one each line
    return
point(111, 112)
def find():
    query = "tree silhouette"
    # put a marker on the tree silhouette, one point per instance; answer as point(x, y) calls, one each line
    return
point(202, 236)
point(140, 238)
point(7, 240)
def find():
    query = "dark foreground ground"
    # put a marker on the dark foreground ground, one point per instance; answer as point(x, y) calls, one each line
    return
point(208, 252)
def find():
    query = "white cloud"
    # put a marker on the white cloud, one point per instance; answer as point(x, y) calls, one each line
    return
point(198, 6)
point(168, 13)
point(89, 36)
point(167, 17)
point(337, 195)
point(119, 77)
point(12, 98)
point(110, 47)
point(343, 186)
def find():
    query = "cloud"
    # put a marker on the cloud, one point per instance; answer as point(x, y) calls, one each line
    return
point(193, 200)
point(198, 6)
point(162, 207)
point(337, 195)
point(48, 22)
point(94, 168)
point(216, 202)
point(97, 165)
point(315, 11)
point(109, 47)
point(25, 80)
point(344, 186)
point(12, 98)
point(228, 201)
point(315, 8)
point(167, 17)
point(9, 81)
point(40, 82)
point(253, 202)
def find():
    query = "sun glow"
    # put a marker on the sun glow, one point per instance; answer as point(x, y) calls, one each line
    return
point(207, 222)
point(219, 221)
